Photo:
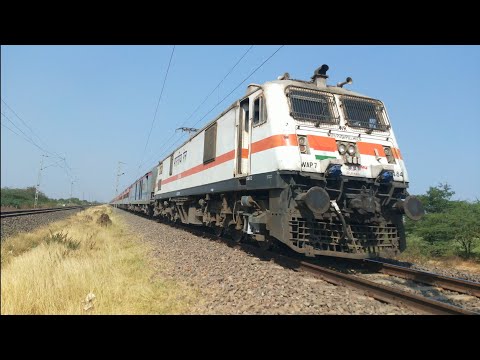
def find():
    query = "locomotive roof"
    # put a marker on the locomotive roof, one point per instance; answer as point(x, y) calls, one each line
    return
point(312, 86)
point(284, 83)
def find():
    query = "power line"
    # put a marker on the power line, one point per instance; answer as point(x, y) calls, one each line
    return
point(5, 126)
point(158, 103)
point(29, 128)
point(206, 98)
point(218, 85)
point(25, 137)
point(31, 141)
point(253, 72)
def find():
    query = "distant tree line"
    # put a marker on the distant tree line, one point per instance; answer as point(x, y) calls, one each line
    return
point(449, 225)
point(25, 198)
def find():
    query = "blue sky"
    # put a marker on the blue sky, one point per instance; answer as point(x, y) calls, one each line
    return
point(95, 106)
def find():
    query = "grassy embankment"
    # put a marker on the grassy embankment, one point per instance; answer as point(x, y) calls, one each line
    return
point(53, 269)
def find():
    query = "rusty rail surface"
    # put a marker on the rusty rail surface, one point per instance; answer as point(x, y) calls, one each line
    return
point(444, 282)
point(5, 214)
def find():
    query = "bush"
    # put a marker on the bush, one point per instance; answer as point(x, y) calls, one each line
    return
point(62, 239)
point(419, 248)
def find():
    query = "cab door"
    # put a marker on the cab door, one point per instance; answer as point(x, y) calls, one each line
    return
point(242, 130)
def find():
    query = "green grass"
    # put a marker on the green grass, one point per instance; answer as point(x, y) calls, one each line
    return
point(446, 253)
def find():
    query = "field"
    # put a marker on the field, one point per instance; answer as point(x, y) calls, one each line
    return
point(80, 266)
point(12, 199)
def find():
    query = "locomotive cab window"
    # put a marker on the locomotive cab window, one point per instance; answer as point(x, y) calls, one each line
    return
point(312, 106)
point(209, 145)
point(364, 113)
point(245, 113)
point(259, 111)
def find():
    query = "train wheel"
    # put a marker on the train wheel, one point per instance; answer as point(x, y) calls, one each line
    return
point(218, 231)
point(266, 244)
point(237, 235)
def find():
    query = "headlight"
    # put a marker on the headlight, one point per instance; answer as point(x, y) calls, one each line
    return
point(351, 150)
point(342, 148)
point(303, 144)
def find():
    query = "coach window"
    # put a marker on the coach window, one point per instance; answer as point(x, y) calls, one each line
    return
point(259, 111)
point(209, 144)
point(171, 165)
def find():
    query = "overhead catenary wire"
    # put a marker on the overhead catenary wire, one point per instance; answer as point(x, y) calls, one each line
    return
point(30, 129)
point(231, 92)
point(218, 85)
point(158, 104)
point(165, 143)
point(25, 136)
point(29, 139)
point(6, 127)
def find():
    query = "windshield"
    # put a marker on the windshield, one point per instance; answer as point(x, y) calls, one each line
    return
point(312, 106)
point(364, 113)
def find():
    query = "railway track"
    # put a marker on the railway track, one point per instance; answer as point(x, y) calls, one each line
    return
point(375, 290)
point(386, 293)
point(6, 214)
point(372, 289)
point(449, 283)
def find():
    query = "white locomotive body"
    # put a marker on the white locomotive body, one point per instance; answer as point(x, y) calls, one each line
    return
point(315, 167)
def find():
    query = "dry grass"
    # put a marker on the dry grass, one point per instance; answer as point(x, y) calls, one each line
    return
point(52, 270)
point(452, 261)
point(459, 264)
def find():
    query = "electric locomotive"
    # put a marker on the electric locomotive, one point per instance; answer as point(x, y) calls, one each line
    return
point(313, 166)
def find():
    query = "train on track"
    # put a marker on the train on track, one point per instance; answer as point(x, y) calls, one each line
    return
point(313, 166)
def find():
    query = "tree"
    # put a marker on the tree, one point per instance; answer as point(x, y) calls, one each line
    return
point(460, 223)
point(467, 234)
point(437, 199)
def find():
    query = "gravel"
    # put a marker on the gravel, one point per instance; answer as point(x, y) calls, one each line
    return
point(26, 223)
point(231, 281)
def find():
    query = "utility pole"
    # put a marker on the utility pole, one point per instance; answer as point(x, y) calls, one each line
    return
point(37, 188)
point(71, 189)
point(118, 176)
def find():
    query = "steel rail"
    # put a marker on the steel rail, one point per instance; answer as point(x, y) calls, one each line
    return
point(6, 214)
point(385, 293)
point(444, 282)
